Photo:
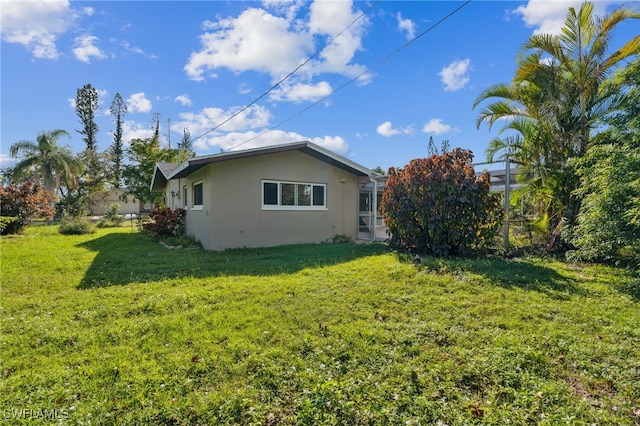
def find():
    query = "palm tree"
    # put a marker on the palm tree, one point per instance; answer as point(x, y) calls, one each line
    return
point(581, 52)
point(52, 165)
point(556, 97)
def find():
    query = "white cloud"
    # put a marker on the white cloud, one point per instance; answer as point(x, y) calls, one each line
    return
point(208, 118)
point(84, 48)
point(436, 126)
point(336, 144)
point(245, 131)
point(184, 100)
point(328, 18)
point(36, 24)
point(386, 129)
point(254, 139)
point(548, 17)
point(138, 103)
point(456, 75)
point(301, 92)
point(288, 8)
point(134, 130)
point(275, 42)
point(255, 40)
point(133, 49)
point(137, 50)
point(244, 88)
point(407, 26)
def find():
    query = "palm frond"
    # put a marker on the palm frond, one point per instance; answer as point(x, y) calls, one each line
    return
point(496, 91)
point(632, 47)
point(25, 147)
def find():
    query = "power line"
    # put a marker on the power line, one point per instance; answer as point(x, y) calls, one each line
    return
point(286, 77)
point(380, 62)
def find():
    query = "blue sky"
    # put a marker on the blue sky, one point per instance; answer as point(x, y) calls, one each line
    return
point(197, 63)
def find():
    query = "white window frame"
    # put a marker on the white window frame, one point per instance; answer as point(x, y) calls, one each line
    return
point(193, 198)
point(292, 207)
point(185, 195)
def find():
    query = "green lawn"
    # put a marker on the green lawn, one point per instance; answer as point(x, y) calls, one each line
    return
point(113, 328)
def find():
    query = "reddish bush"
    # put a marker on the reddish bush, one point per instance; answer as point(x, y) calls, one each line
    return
point(438, 206)
point(24, 203)
point(166, 222)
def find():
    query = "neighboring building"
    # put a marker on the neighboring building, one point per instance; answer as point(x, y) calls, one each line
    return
point(282, 194)
point(129, 205)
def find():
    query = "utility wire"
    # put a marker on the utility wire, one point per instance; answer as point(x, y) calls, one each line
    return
point(380, 62)
point(286, 77)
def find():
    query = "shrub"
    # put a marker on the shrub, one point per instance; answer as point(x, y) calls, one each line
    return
point(114, 215)
point(438, 206)
point(607, 224)
point(76, 226)
point(5, 221)
point(340, 239)
point(107, 223)
point(166, 222)
point(24, 203)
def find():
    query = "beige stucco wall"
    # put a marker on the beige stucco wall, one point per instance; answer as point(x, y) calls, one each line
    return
point(232, 214)
point(131, 205)
point(173, 201)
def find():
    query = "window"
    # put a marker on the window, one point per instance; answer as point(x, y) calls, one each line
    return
point(184, 197)
point(318, 195)
point(197, 196)
point(293, 196)
point(270, 193)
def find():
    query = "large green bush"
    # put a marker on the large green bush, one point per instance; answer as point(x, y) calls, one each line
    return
point(608, 224)
point(438, 206)
point(76, 226)
point(610, 191)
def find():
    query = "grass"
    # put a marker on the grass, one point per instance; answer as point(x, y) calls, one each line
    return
point(113, 328)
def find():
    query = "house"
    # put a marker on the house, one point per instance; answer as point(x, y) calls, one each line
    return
point(282, 194)
point(128, 204)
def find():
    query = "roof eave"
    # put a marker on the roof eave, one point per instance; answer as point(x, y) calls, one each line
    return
point(309, 148)
point(334, 159)
point(159, 181)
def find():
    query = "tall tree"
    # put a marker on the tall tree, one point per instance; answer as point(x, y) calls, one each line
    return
point(185, 147)
point(431, 147)
point(554, 101)
point(87, 102)
point(48, 163)
point(91, 188)
point(609, 219)
point(186, 142)
point(143, 154)
point(156, 126)
point(583, 54)
point(116, 152)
